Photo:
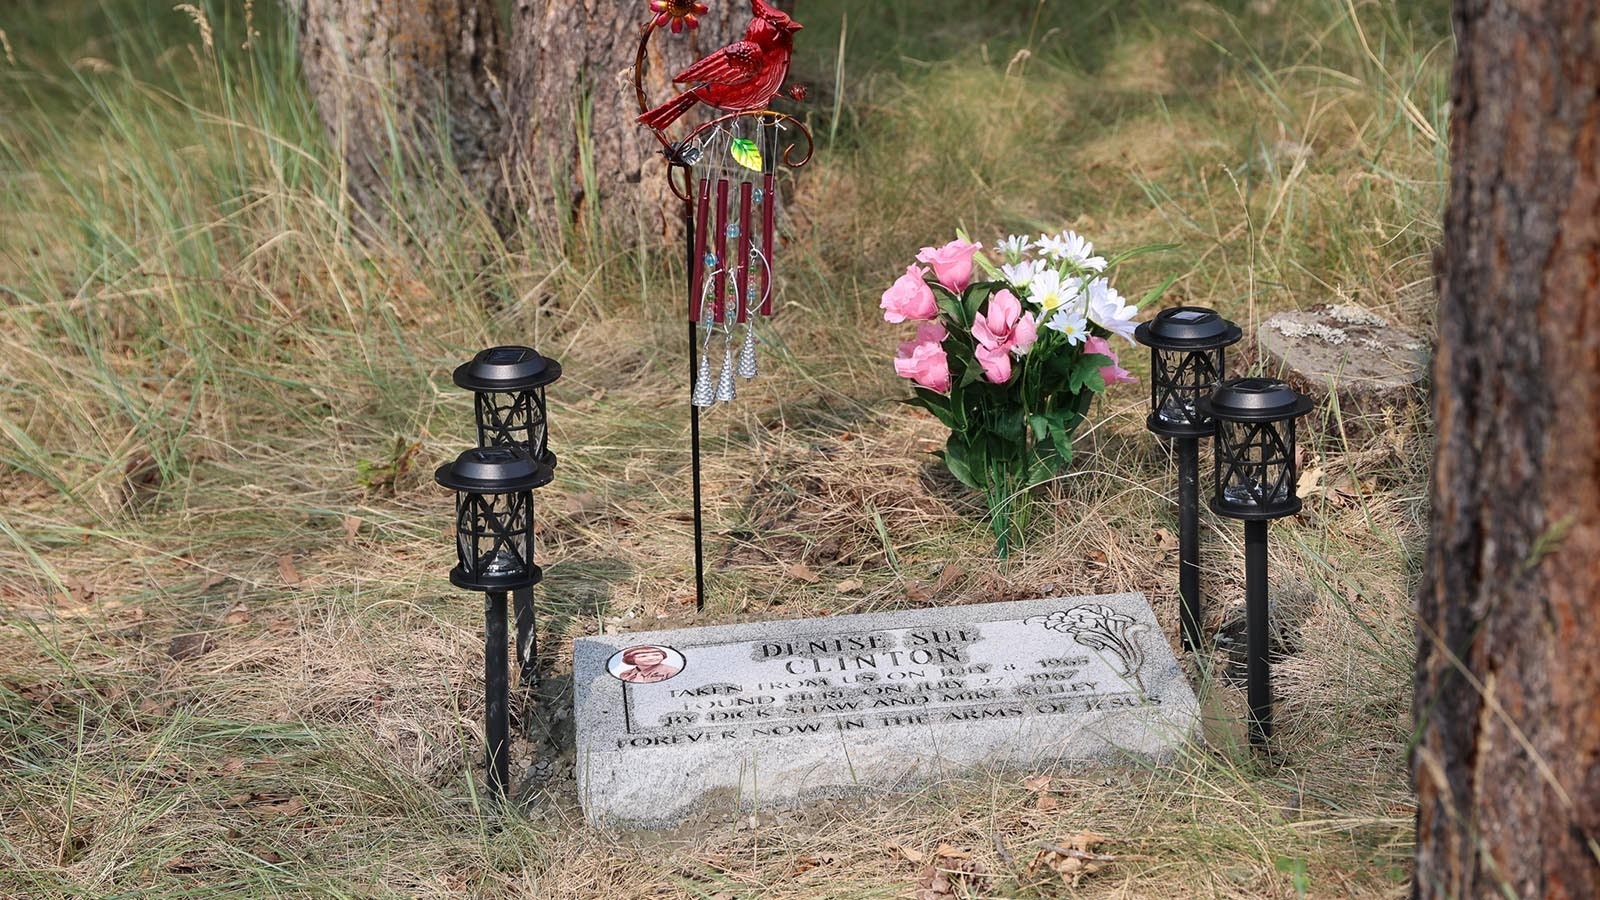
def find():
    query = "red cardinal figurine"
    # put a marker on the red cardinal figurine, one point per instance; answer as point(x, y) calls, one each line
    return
point(743, 75)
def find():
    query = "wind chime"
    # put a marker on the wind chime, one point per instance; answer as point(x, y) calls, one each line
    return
point(725, 172)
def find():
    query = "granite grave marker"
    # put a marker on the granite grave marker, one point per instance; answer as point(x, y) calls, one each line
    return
point(766, 713)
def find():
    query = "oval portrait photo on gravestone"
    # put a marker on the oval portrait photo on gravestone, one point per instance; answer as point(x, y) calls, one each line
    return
point(645, 664)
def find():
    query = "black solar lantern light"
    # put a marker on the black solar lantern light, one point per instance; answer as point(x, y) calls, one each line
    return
point(508, 384)
point(1188, 347)
point(494, 554)
point(1256, 480)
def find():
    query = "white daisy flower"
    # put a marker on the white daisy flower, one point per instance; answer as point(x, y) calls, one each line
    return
point(1108, 310)
point(1071, 247)
point(1052, 245)
point(1047, 290)
point(1012, 248)
point(1071, 324)
point(1020, 274)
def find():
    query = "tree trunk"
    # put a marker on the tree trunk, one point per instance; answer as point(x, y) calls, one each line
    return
point(1507, 768)
point(424, 72)
point(576, 147)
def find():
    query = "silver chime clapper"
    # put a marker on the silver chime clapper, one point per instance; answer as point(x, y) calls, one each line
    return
point(747, 354)
point(705, 391)
point(725, 384)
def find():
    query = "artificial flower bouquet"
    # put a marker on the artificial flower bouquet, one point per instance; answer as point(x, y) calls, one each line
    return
point(1008, 355)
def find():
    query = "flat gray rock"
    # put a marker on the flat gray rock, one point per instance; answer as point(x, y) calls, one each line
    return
point(1347, 350)
point(764, 714)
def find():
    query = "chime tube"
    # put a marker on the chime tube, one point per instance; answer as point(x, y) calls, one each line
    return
point(722, 249)
point(697, 255)
point(746, 193)
point(1259, 668)
point(497, 688)
point(769, 206)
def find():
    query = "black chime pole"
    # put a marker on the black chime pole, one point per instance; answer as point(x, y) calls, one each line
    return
point(1259, 671)
point(496, 679)
point(1190, 610)
point(694, 417)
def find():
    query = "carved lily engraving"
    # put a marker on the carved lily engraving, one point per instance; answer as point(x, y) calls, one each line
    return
point(1102, 628)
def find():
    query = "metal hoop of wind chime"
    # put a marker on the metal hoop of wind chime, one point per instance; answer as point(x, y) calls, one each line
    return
point(725, 172)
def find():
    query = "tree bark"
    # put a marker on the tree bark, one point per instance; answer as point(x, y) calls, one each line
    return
point(1507, 768)
point(577, 150)
point(425, 72)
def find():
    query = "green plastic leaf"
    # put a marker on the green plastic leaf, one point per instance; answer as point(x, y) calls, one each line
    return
point(746, 153)
point(1155, 293)
point(1086, 374)
point(956, 460)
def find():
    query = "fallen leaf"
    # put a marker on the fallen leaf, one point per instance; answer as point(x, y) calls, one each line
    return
point(352, 528)
point(239, 615)
point(933, 883)
point(1045, 803)
point(1073, 857)
point(581, 505)
point(190, 646)
point(290, 807)
point(848, 586)
point(952, 867)
point(1310, 479)
point(1166, 540)
point(917, 592)
point(291, 575)
point(911, 855)
point(808, 862)
point(802, 572)
point(79, 592)
point(948, 576)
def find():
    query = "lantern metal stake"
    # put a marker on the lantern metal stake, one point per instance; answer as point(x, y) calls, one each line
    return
point(494, 554)
point(1256, 480)
point(1188, 346)
point(509, 387)
point(695, 363)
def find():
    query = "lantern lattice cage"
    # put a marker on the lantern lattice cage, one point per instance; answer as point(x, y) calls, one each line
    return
point(1256, 473)
point(509, 384)
point(1188, 358)
point(492, 537)
point(494, 517)
point(1179, 380)
point(514, 419)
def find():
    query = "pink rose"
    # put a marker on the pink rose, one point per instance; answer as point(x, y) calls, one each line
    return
point(996, 364)
point(1114, 373)
point(952, 263)
point(909, 298)
point(924, 361)
point(1002, 331)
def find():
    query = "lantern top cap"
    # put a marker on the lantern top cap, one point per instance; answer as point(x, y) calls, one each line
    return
point(505, 369)
point(494, 470)
point(1188, 328)
point(1255, 400)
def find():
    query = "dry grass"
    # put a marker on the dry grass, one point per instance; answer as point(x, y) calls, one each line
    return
point(229, 663)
